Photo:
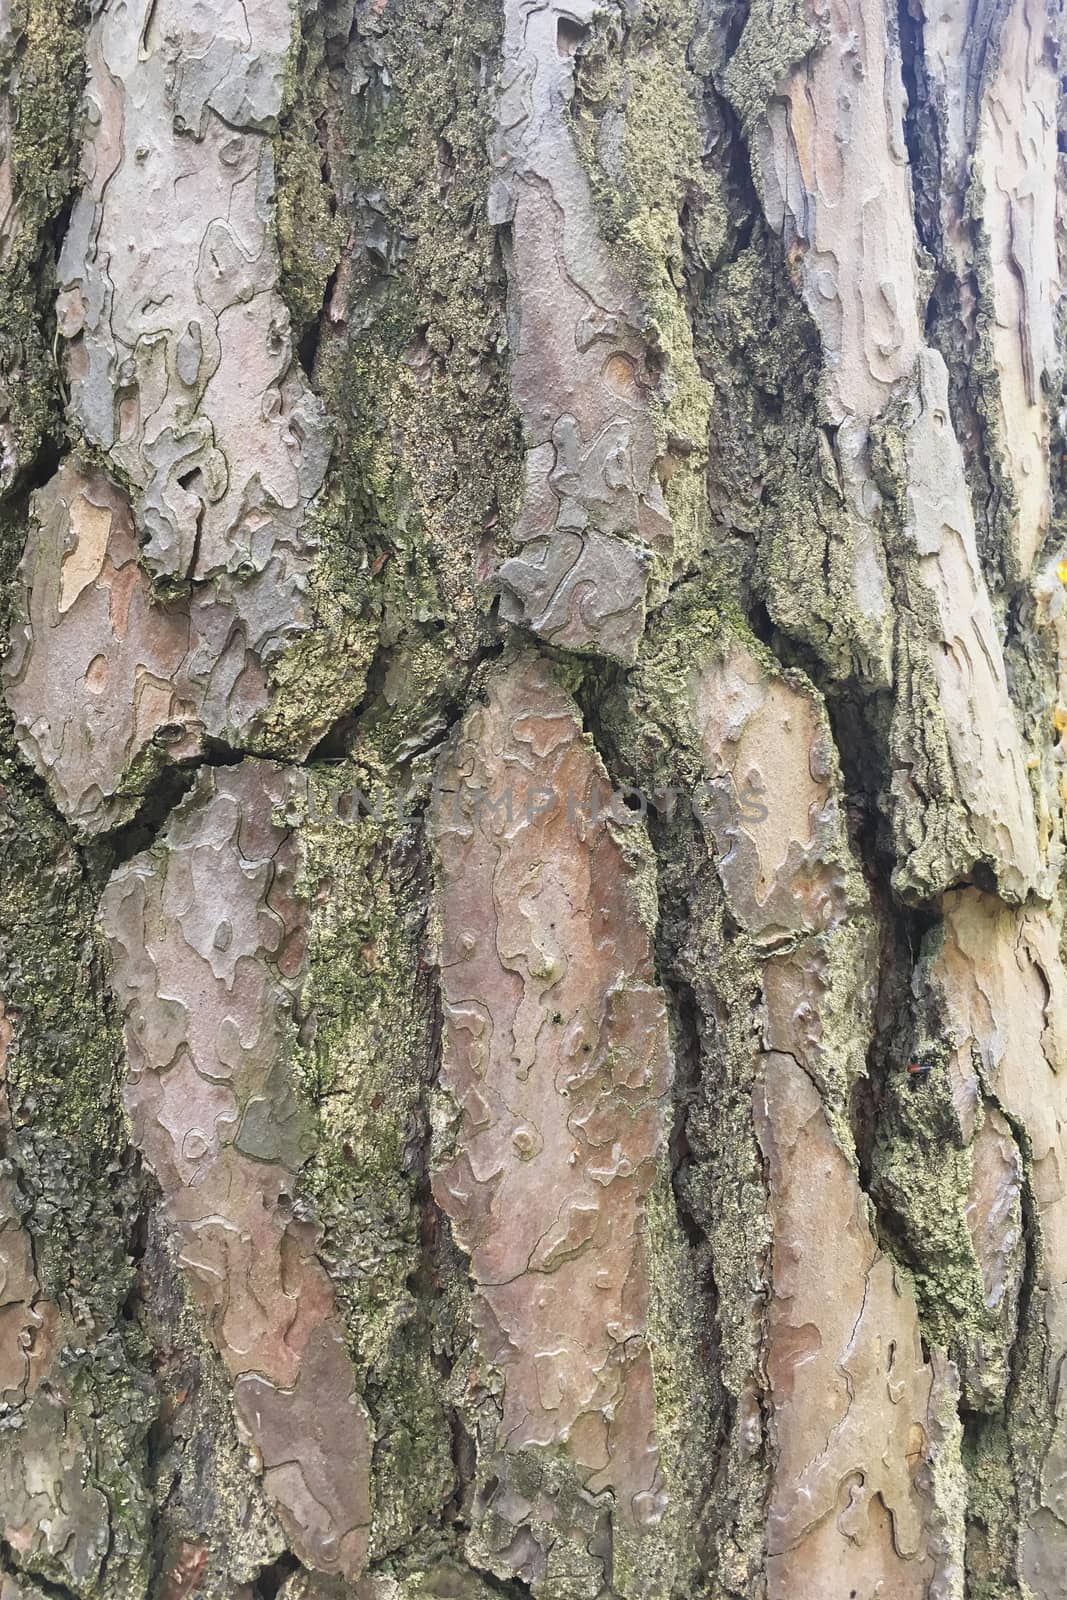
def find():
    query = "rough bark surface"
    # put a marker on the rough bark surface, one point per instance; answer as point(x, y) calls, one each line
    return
point(533, 1005)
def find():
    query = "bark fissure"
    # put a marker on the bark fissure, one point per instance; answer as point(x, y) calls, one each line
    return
point(540, 615)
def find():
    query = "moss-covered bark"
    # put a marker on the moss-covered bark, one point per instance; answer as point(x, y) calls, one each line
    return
point(533, 586)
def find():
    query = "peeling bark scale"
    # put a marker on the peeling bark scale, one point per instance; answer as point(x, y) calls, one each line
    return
point(533, 1006)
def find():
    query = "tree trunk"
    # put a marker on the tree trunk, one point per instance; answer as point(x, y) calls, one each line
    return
point(534, 1022)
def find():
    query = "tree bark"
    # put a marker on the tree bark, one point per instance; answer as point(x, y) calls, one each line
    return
point(533, 1014)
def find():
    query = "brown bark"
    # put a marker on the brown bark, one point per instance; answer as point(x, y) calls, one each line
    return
point(532, 814)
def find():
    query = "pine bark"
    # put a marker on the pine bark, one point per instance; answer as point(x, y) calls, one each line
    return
point(533, 1015)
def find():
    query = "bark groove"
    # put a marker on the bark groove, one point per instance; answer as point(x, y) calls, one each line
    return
point(533, 1008)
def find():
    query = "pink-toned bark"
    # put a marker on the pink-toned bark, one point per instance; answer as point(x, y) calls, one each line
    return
point(555, 1058)
point(208, 943)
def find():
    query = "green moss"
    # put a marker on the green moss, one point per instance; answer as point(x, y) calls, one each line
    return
point(434, 1577)
point(701, 1323)
point(68, 1057)
point(421, 381)
point(647, 722)
point(46, 72)
point(366, 1071)
point(775, 488)
point(1005, 1451)
point(780, 517)
point(722, 1189)
point(922, 1179)
point(323, 675)
point(410, 364)
point(992, 1436)
point(992, 1513)
point(777, 35)
point(654, 721)
point(645, 719)
point(311, 234)
point(637, 126)
point(680, 1335)
point(79, 1186)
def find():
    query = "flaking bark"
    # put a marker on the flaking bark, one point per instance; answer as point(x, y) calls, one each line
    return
point(532, 993)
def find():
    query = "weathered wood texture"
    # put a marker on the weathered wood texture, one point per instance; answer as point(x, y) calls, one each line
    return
point(533, 1015)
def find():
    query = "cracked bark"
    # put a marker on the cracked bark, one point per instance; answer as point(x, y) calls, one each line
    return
point(532, 995)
